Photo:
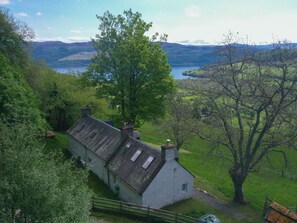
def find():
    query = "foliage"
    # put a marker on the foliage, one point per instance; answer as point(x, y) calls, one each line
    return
point(13, 36)
point(180, 117)
point(210, 173)
point(17, 100)
point(129, 68)
point(18, 103)
point(250, 102)
point(62, 96)
point(34, 187)
point(198, 72)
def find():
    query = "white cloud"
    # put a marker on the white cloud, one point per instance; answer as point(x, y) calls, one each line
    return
point(39, 14)
point(5, 2)
point(193, 11)
point(70, 39)
point(42, 39)
point(49, 28)
point(78, 30)
point(75, 31)
point(194, 42)
point(77, 39)
point(63, 17)
point(22, 14)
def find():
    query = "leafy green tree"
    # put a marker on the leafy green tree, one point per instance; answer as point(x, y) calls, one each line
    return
point(18, 103)
point(35, 187)
point(251, 101)
point(130, 68)
point(62, 96)
point(13, 36)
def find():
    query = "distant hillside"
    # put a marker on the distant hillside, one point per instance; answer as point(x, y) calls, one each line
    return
point(53, 52)
point(188, 55)
point(59, 54)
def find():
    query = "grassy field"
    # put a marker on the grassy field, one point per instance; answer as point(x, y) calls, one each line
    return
point(210, 175)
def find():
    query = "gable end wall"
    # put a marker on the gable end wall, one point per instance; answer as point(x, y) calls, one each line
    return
point(166, 188)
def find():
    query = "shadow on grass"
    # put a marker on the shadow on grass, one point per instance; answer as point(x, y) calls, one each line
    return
point(99, 188)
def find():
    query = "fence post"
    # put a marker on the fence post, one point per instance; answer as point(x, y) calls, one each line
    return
point(148, 214)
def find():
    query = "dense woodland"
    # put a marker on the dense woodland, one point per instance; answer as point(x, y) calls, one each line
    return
point(36, 185)
point(218, 115)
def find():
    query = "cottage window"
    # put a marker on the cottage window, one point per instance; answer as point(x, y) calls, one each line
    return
point(148, 161)
point(93, 135)
point(136, 155)
point(128, 145)
point(80, 128)
point(185, 187)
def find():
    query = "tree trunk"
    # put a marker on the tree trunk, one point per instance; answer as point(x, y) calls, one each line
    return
point(238, 180)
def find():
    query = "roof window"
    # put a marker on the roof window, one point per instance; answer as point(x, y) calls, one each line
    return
point(80, 128)
point(93, 135)
point(136, 155)
point(127, 146)
point(148, 161)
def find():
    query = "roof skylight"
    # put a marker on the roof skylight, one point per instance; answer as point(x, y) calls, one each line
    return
point(136, 155)
point(148, 161)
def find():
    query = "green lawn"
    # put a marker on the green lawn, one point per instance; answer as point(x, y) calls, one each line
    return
point(211, 175)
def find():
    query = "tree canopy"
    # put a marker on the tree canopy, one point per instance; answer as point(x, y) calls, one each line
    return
point(178, 124)
point(18, 103)
point(130, 68)
point(13, 36)
point(249, 105)
point(35, 187)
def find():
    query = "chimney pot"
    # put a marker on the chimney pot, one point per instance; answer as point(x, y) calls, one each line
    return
point(86, 111)
point(169, 152)
point(127, 129)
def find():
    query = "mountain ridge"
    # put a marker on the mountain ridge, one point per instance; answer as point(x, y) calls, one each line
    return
point(61, 54)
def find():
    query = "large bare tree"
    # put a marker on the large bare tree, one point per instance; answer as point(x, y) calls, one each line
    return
point(178, 124)
point(251, 102)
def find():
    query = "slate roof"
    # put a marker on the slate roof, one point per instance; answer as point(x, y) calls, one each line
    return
point(133, 172)
point(117, 151)
point(96, 136)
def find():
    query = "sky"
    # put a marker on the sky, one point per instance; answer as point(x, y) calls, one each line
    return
point(184, 21)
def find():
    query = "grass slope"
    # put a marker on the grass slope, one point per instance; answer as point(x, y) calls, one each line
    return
point(211, 175)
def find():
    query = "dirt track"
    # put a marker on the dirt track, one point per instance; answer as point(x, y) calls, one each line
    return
point(223, 206)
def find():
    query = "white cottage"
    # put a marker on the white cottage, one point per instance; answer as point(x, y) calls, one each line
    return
point(137, 172)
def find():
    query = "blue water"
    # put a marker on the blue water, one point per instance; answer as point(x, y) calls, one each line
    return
point(176, 72)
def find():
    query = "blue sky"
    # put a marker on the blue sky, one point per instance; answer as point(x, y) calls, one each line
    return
point(185, 21)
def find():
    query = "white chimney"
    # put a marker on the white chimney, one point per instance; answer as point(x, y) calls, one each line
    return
point(169, 152)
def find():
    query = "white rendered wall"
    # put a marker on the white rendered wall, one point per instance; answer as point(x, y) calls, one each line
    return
point(166, 188)
point(94, 162)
